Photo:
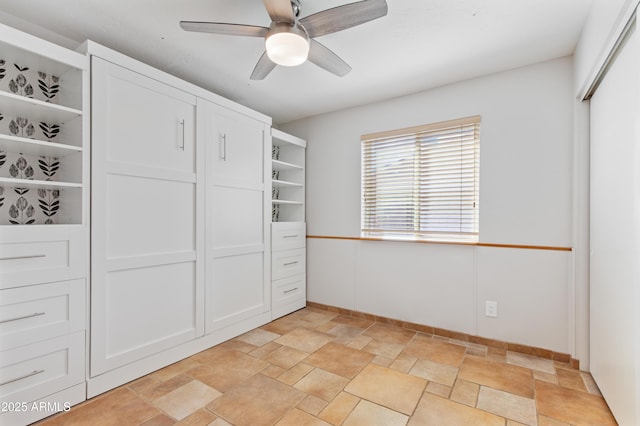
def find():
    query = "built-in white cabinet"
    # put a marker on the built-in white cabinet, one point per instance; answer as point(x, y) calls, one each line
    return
point(237, 280)
point(288, 230)
point(146, 268)
point(43, 232)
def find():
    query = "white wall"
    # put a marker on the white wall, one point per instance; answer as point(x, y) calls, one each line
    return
point(525, 198)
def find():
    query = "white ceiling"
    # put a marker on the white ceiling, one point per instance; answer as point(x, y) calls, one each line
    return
point(420, 44)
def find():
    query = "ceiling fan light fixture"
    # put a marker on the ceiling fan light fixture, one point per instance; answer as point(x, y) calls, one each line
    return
point(287, 45)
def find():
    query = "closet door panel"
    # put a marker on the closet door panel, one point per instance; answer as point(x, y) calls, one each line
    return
point(237, 217)
point(148, 309)
point(238, 290)
point(151, 123)
point(149, 216)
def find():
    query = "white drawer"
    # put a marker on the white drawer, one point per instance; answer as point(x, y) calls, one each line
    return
point(39, 312)
point(288, 235)
point(288, 289)
point(34, 371)
point(287, 263)
point(40, 254)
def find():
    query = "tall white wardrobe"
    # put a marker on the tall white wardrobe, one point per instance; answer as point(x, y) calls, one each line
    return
point(135, 222)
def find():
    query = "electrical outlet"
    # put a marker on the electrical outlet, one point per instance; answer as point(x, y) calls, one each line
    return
point(491, 309)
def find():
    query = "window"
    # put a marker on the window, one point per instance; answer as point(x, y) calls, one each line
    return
point(421, 183)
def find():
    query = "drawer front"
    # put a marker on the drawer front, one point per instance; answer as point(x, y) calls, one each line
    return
point(40, 255)
point(288, 289)
point(288, 235)
point(287, 263)
point(34, 371)
point(34, 313)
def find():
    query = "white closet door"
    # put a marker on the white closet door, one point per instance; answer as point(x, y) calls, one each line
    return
point(615, 235)
point(147, 276)
point(237, 269)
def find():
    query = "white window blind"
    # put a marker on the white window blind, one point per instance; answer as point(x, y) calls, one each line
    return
point(422, 182)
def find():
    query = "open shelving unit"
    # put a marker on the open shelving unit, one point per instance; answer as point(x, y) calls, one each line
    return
point(42, 129)
point(287, 183)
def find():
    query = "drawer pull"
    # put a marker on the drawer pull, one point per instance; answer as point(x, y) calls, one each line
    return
point(290, 236)
point(32, 256)
point(35, 314)
point(290, 263)
point(290, 290)
point(33, 373)
point(181, 141)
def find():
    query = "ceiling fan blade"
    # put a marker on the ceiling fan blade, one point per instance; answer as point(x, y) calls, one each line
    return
point(342, 17)
point(280, 11)
point(327, 60)
point(263, 67)
point(226, 29)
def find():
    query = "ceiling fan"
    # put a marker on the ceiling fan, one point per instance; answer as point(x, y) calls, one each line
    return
point(290, 41)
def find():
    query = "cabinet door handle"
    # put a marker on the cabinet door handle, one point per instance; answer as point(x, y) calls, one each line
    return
point(223, 147)
point(35, 314)
point(30, 256)
point(290, 263)
point(33, 373)
point(290, 290)
point(290, 236)
point(181, 141)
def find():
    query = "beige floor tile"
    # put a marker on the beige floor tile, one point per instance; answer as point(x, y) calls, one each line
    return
point(187, 399)
point(393, 389)
point(434, 372)
point(322, 384)
point(285, 357)
point(312, 405)
point(326, 327)
point(198, 418)
point(545, 377)
point(509, 378)
point(389, 333)
point(174, 369)
point(220, 422)
point(369, 414)
point(297, 417)
point(508, 405)
point(426, 347)
point(438, 389)
point(381, 360)
point(258, 337)
point(258, 401)
point(386, 349)
point(339, 359)
point(353, 322)
point(357, 342)
point(434, 410)
point(305, 340)
point(284, 325)
point(264, 350)
point(403, 363)
point(496, 355)
point(571, 379)
point(237, 345)
point(230, 368)
point(572, 406)
point(531, 362)
point(346, 331)
point(477, 352)
point(465, 392)
point(273, 371)
point(339, 408)
point(295, 373)
point(116, 408)
point(159, 420)
point(150, 388)
point(548, 421)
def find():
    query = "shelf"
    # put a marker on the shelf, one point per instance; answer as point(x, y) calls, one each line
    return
point(280, 138)
point(45, 184)
point(281, 165)
point(298, 203)
point(35, 110)
point(285, 184)
point(36, 147)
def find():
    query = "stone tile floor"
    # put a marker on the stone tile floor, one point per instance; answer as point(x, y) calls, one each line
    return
point(316, 367)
